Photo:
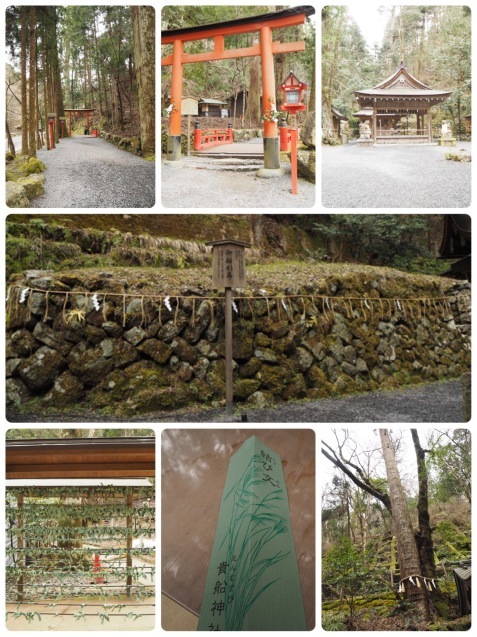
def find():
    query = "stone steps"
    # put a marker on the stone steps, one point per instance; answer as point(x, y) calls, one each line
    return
point(235, 164)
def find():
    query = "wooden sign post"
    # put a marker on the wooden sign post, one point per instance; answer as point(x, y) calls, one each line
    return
point(189, 106)
point(228, 271)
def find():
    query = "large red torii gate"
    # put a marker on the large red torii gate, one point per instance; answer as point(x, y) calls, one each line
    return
point(266, 48)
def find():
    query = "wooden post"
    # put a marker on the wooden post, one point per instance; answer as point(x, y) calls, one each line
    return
point(70, 123)
point(294, 153)
point(228, 271)
point(87, 122)
point(429, 124)
point(21, 545)
point(188, 135)
point(229, 372)
point(374, 121)
point(129, 504)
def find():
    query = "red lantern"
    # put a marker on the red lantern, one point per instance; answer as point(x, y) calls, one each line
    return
point(293, 94)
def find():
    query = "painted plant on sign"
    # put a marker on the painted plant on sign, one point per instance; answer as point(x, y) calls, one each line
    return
point(253, 526)
point(252, 581)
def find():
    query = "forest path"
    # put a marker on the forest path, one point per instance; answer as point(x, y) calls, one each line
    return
point(88, 172)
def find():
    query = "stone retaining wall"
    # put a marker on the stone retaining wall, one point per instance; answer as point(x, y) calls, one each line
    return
point(132, 357)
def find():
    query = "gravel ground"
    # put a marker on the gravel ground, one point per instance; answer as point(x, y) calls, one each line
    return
point(437, 403)
point(190, 187)
point(394, 177)
point(86, 172)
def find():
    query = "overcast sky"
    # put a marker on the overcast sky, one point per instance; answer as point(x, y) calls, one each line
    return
point(371, 23)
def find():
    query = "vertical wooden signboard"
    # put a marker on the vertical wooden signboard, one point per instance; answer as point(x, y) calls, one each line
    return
point(228, 271)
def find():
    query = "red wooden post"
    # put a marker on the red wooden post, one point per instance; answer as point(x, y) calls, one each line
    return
point(294, 160)
point(70, 123)
point(197, 134)
point(284, 145)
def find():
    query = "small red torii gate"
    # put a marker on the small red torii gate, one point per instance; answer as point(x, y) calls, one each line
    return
point(266, 48)
point(79, 111)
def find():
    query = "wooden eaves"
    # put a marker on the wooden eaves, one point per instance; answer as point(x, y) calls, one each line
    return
point(80, 458)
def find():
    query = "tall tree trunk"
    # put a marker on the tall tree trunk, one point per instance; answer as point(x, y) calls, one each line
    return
point(45, 82)
point(58, 103)
point(424, 537)
point(11, 145)
point(409, 562)
point(328, 82)
point(32, 86)
point(23, 73)
point(96, 57)
point(254, 112)
point(143, 26)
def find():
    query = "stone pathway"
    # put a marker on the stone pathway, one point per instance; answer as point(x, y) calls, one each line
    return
point(88, 172)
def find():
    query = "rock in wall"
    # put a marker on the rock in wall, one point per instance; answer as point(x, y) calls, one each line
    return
point(122, 355)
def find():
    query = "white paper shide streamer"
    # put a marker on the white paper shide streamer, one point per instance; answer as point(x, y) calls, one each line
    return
point(23, 295)
point(96, 303)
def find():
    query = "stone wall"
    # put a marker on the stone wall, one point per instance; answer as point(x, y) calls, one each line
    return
point(135, 355)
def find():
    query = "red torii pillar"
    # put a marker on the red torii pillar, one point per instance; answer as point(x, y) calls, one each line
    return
point(271, 150)
point(174, 138)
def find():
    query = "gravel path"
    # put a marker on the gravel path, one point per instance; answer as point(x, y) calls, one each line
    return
point(437, 403)
point(192, 187)
point(394, 177)
point(88, 172)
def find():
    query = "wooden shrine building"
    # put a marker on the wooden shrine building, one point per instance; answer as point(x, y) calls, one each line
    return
point(398, 109)
point(338, 121)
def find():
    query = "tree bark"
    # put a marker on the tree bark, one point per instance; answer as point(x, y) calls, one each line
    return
point(408, 555)
point(143, 25)
point(424, 537)
point(32, 87)
point(254, 113)
point(23, 71)
point(11, 145)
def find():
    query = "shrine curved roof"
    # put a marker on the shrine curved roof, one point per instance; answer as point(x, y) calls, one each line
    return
point(403, 93)
point(402, 84)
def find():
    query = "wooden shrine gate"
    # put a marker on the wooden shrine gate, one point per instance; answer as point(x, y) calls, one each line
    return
point(266, 49)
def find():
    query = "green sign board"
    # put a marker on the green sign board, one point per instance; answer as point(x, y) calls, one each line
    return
point(253, 582)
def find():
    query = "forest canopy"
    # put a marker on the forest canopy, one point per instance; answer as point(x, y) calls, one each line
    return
point(434, 42)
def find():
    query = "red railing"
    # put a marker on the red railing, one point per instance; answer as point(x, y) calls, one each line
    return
point(214, 137)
